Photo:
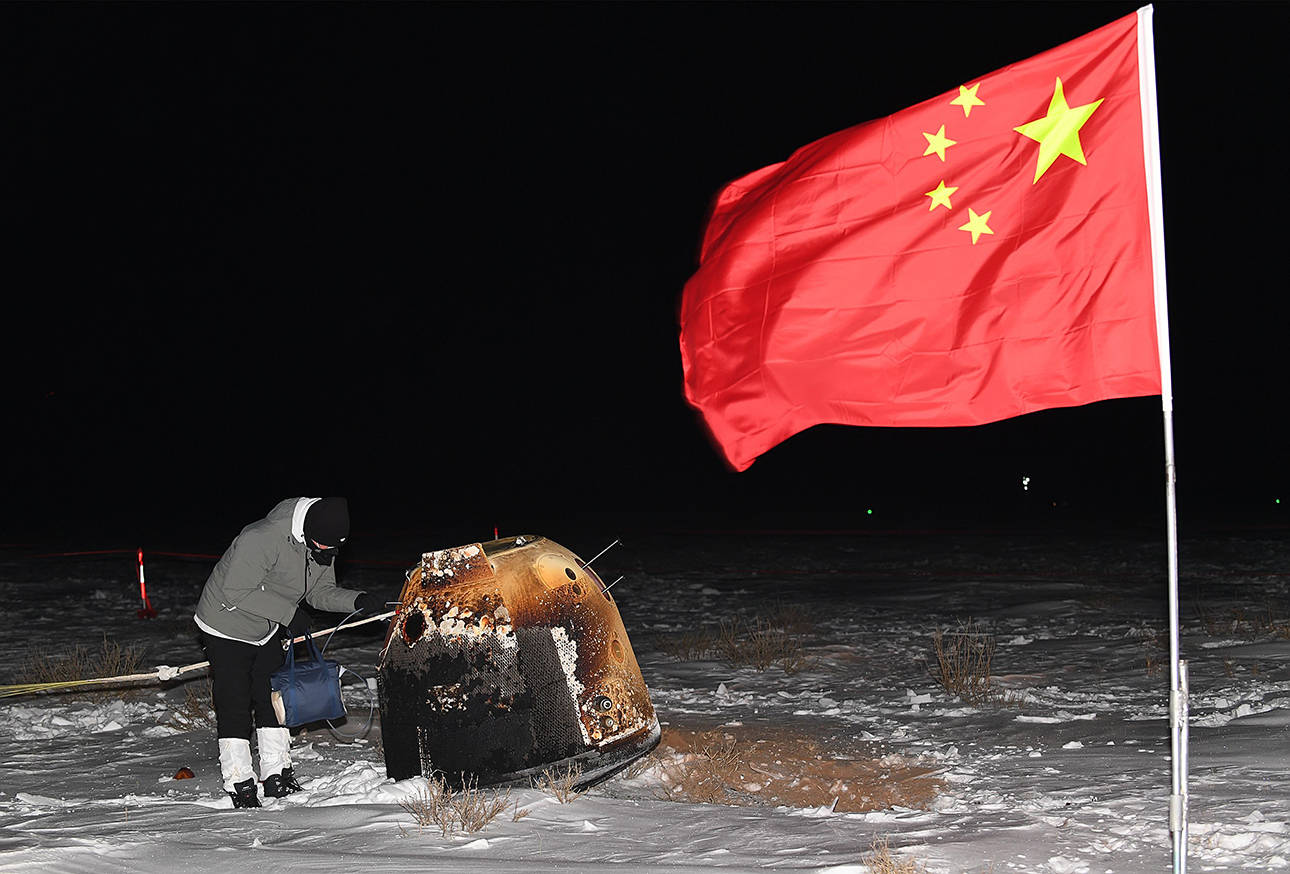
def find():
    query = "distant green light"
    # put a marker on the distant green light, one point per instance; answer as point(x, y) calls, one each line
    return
point(870, 512)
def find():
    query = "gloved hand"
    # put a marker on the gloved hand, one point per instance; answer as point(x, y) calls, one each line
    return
point(299, 623)
point(369, 603)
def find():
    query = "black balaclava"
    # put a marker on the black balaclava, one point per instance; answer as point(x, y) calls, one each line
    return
point(326, 522)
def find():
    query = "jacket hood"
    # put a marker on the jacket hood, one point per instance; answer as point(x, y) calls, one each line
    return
point(298, 517)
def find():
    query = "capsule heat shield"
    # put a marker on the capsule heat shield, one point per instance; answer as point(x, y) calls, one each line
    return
point(505, 659)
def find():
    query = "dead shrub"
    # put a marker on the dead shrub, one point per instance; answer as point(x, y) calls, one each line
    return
point(793, 618)
point(1267, 621)
point(561, 782)
point(1210, 620)
point(881, 861)
point(640, 767)
point(1246, 623)
point(759, 644)
point(713, 772)
point(690, 646)
point(197, 712)
point(466, 810)
point(963, 661)
point(111, 659)
point(1156, 651)
point(427, 808)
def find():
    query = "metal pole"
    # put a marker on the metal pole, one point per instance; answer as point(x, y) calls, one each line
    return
point(1177, 670)
point(1156, 216)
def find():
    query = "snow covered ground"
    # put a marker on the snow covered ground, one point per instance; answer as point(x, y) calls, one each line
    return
point(1065, 770)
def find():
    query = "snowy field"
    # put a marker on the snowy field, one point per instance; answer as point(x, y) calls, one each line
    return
point(1065, 768)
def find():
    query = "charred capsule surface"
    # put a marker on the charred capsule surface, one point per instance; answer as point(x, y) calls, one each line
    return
point(507, 658)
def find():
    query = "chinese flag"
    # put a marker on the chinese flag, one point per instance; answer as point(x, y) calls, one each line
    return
point(983, 254)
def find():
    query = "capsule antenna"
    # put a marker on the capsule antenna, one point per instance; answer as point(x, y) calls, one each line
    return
point(587, 564)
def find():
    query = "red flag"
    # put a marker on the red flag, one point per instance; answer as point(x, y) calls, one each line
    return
point(983, 254)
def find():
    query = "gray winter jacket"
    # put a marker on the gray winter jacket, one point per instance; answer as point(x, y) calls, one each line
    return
point(262, 576)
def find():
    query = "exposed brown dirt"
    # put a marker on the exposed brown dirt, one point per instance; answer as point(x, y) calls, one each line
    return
point(759, 765)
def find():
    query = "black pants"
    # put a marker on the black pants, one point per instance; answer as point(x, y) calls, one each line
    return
point(240, 683)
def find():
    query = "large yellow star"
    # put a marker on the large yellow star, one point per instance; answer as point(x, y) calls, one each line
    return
point(940, 196)
point(937, 143)
point(1058, 132)
point(977, 225)
point(967, 99)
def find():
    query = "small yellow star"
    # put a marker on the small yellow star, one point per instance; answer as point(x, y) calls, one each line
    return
point(937, 143)
point(977, 225)
point(940, 196)
point(967, 99)
point(1058, 132)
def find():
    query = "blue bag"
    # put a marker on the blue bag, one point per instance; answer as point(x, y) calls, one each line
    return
point(307, 692)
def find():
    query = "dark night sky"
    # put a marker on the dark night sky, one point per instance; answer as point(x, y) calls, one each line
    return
point(429, 256)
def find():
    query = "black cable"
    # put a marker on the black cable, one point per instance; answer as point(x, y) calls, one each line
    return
point(367, 684)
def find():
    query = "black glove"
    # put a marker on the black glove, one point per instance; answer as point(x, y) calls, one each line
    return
point(299, 623)
point(369, 603)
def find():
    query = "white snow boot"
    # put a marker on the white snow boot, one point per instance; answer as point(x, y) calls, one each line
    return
point(235, 767)
point(275, 751)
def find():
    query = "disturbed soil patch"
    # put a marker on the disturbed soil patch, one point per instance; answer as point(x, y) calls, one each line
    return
point(763, 766)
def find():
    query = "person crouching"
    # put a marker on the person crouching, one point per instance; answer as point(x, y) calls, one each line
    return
point(249, 612)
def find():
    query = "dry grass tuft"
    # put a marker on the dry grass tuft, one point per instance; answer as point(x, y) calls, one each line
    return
point(963, 661)
point(465, 811)
point(748, 766)
point(1156, 652)
point(690, 646)
point(197, 712)
point(560, 782)
point(881, 861)
point(793, 618)
point(1247, 622)
point(772, 638)
point(759, 643)
point(712, 773)
point(43, 665)
point(640, 767)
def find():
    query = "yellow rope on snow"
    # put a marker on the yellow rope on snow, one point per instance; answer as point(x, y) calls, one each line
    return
point(29, 688)
point(161, 674)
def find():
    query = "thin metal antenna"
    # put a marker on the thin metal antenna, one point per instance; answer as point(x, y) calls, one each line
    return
point(587, 564)
point(615, 582)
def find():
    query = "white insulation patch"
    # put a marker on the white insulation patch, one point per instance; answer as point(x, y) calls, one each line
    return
point(567, 649)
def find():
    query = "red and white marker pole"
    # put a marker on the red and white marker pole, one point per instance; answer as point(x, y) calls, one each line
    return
point(147, 612)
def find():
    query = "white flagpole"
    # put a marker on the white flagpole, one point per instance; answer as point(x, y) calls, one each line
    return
point(1155, 210)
